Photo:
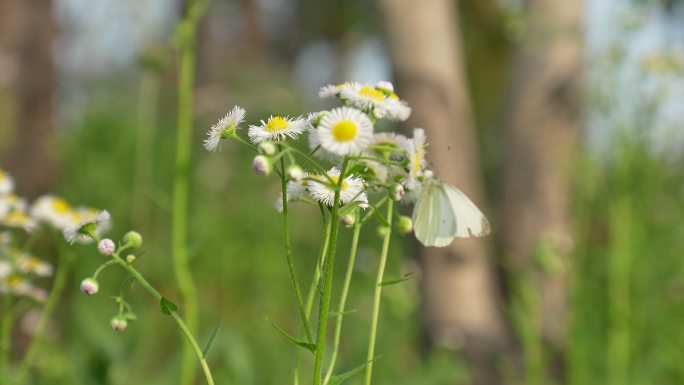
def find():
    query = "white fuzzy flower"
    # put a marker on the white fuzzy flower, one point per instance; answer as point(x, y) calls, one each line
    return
point(389, 145)
point(224, 128)
point(296, 190)
point(6, 182)
point(87, 220)
point(13, 213)
point(52, 210)
point(352, 188)
point(28, 264)
point(375, 101)
point(345, 131)
point(332, 90)
point(322, 153)
point(277, 128)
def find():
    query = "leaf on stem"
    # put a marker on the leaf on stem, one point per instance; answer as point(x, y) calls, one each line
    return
point(211, 339)
point(390, 282)
point(339, 378)
point(305, 345)
point(167, 307)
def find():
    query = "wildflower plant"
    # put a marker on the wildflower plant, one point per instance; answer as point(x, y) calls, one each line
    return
point(352, 174)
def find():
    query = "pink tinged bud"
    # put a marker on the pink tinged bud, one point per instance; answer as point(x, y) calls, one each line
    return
point(261, 165)
point(119, 323)
point(89, 286)
point(397, 192)
point(106, 247)
point(385, 87)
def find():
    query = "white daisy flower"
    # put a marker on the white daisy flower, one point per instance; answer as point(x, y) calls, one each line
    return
point(52, 210)
point(332, 90)
point(87, 220)
point(6, 182)
point(322, 153)
point(351, 189)
point(345, 131)
point(15, 284)
point(224, 128)
point(375, 101)
point(416, 150)
point(13, 213)
point(389, 145)
point(277, 128)
point(28, 264)
point(296, 190)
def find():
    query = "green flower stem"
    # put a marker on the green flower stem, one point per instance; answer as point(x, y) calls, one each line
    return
point(324, 310)
point(343, 296)
point(377, 294)
point(5, 334)
point(312, 290)
point(187, 36)
point(181, 324)
point(288, 255)
point(48, 310)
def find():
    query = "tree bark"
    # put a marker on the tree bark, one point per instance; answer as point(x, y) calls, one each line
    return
point(26, 34)
point(461, 307)
point(539, 150)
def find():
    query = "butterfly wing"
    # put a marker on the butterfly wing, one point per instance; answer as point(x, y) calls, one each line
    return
point(433, 220)
point(470, 222)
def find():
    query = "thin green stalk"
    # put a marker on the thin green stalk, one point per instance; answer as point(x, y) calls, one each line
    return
point(312, 291)
point(194, 347)
point(48, 310)
point(179, 252)
point(324, 309)
point(288, 254)
point(6, 333)
point(377, 294)
point(343, 296)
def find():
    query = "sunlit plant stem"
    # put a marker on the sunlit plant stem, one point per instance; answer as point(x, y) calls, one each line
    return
point(324, 310)
point(377, 293)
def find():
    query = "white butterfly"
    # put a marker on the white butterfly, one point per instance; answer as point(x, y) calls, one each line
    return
point(443, 212)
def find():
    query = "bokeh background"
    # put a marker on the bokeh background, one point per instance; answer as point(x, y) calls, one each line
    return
point(561, 119)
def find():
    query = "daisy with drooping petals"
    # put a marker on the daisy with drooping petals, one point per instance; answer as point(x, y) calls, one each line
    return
point(224, 128)
point(345, 131)
point(6, 182)
point(87, 221)
point(52, 210)
point(277, 128)
point(351, 189)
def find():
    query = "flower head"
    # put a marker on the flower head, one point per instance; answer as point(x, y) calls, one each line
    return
point(225, 128)
point(262, 165)
point(52, 210)
point(87, 222)
point(375, 100)
point(345, 131)
point(27, 264)
point(351, 189)
point(106, 247)
point(89, 286)
point(277, 128)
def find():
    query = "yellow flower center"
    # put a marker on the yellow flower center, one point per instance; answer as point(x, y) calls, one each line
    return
point(344, 130)
point(276, 124)
point(336, 180)
point(60, 206)
point(17, 217)
point(394, 96)
point(372, 93)
point(416, 161)
point(14, 281)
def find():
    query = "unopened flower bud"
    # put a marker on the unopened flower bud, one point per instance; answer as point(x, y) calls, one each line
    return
point(262, 165)
point(379, 113)
point(229, 131)
point(383, 231)
point(295, 173)
point(89, 286)
point(316, 120)
point(133, 239)
point(119, 323)
point(130, 258)
point(396, 192)
point(106, 247)
point(404, 225)
point(385, 87)
point(268, 148)
point(348, 220)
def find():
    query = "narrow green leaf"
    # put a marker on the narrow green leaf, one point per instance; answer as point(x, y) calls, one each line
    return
point(337, 379)
point(337, 313)
point(167, 307)
point(390, 282)
point(211, 339)
point(305, 345)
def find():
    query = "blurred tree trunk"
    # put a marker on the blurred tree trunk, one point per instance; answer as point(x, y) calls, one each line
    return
point(26, 34)
point(539, 150)
point(461, 307)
